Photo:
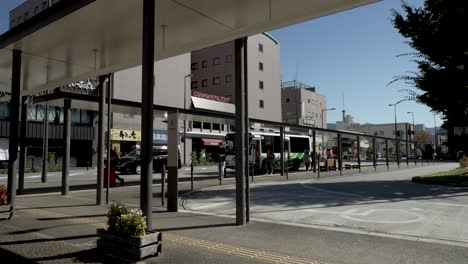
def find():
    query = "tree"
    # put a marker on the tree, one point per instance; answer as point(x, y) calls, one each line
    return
point(422, 138)
point(436, 32)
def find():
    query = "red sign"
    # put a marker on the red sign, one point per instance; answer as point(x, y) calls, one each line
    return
point(211, 97)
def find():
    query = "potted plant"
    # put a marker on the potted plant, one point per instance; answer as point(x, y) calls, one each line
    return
point(5, 208)
point(126, 235)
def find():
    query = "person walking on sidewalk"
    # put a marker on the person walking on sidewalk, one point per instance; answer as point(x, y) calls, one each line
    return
point(306, 159)
point(113, 163)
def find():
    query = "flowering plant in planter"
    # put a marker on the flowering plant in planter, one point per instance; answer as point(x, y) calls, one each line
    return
point(126, 235)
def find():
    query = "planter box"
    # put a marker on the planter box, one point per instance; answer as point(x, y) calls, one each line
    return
point(5, 211)
point(129, 247)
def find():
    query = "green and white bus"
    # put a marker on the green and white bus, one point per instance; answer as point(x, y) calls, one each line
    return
point(294, 148)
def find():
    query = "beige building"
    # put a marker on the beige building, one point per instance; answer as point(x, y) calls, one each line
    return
point(301, 105)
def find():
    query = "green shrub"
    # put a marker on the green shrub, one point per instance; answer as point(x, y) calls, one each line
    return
point(3, 195)
point(115, 212)
point(132, 223)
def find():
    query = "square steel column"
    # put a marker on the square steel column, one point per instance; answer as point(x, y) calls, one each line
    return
point(14, 118)
point(314, 151)
point(45, 144)
point(282, 150)
point(374, 152)
point(241, 128)
point(147, 114)
point(22, 143)
point(247, 130)
point(340, 155)
point(172, 162)
point(100, 138)
point(66, 146)
point(358, 146)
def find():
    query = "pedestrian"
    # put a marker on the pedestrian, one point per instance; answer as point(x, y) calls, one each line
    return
point(113, 162)
point(306, 159)
point(269, 161)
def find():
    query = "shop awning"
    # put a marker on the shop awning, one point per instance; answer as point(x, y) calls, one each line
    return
point(211, 142)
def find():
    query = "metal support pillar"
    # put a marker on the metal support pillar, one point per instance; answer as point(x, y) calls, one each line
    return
point(66, 146)
point(340, 155)
point(358, 146)
point(45, 144)
point(386, 154)
point(282, 151)
point(109, 126)
point(147, 114)
point(163, 183)
point(14, 118)
point(314, 151)
point(407, 146)
point(241, 128)
point(374, 154)
point(100, 138)
point(247, 130)
point(398, 152)
point(172, 162)
point(22, 142)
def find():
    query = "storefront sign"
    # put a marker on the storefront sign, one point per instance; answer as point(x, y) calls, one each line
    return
point(160, 136)
point(125, 135)
point(211, 97)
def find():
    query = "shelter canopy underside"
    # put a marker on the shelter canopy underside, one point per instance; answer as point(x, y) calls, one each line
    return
point(104, 36)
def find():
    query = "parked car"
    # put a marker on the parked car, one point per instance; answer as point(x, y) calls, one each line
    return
point(131, 163)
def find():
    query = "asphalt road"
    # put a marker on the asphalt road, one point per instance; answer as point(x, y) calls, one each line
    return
point(384, 203)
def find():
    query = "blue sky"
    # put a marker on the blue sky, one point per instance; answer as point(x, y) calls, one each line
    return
point(351, 53)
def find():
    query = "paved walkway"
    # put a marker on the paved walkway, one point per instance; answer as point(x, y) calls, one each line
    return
point(50, 228)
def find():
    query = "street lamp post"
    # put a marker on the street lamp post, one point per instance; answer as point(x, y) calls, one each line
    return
point(185, 120)
point(413, 138)
point(397, 143)
point(435, 138)
point(323, 124)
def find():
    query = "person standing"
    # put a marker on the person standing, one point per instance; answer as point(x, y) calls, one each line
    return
point(306, 159)
point(113, 162)
point(269, 161)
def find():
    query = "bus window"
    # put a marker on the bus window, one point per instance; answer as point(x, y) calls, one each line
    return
point(276, 144)
point(298, 145)
point(267, 142)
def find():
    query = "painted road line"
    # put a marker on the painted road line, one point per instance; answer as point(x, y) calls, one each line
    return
point(210, 205)
point(253, 254)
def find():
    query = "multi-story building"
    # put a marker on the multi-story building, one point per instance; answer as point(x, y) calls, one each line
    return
point(28, 9)
point(213, 71)
point(301, 105)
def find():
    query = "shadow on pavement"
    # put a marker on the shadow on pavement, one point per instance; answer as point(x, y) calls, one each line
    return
point(337, 193)
point(10, 257)
point(195, 227)
point(41, 240)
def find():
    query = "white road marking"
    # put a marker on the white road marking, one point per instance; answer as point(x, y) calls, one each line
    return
point(210, 205)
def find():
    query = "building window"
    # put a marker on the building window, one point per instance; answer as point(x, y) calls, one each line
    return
point(216, 127)
point(206, 126)
point(261, 104)
point(228, 78)
point(381, 133)
point(222, 127)
point(308, 100)
point(194, 85)
point(13, 23)
point(216, 81)
point(288, 100)
point(204, 83)
point(194, 66)
point(260, 47)
point(44, 5)
point(204, 64)
point(216, 60)
point(376, 133)
point(196, 124)
point(260, 66)
point(36, 10)
point(260, 84)
point(26, 16)
point(128, 116)
point(228, 58)
point(19, 20)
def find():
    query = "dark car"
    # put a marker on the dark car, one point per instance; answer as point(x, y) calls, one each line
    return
point(131, 163)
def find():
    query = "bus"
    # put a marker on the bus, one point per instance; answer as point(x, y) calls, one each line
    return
point(259, 142)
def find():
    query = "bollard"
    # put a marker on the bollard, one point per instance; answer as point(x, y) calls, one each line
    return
point(191, 176)
point(220, 172)
point(163, 182)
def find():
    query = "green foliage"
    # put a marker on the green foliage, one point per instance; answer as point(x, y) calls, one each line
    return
point(434, 32)
point(370, 153)
point(115, 212)
point(126, 222)
point(132, 223)
point(3, 195)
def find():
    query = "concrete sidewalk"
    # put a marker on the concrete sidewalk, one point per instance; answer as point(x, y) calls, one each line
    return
point(49, 228)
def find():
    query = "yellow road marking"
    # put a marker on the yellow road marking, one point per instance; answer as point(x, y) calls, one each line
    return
point(250, 253)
